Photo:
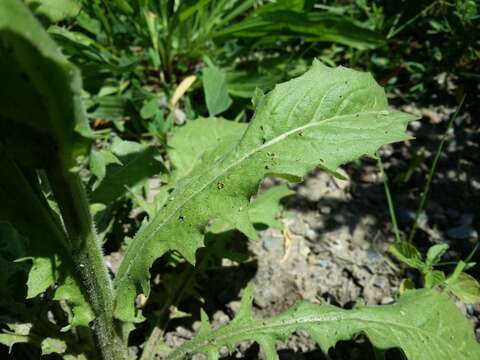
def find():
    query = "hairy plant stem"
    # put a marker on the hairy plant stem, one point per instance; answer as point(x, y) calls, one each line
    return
point(88, 258)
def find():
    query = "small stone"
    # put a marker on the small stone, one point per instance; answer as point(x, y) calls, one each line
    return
point(196, 326)
point(273, 243)
point(180, 117)
point(234, 306)
point(220, 318)
point(415, 125)
point(432, 115)
point(475, 184)
point(463, 232)
point(325, 210)
point(387, 300)
point(299, 228)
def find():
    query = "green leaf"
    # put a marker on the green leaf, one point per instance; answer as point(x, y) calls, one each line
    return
point(188, 10)
point(70, 292)
point(215, 89)
point(149, 108)
point(326, 117)
point(42, 119)
point(16, 334)
point(137, 162)
point(434, 278)
point(408, 254)
point(99, 159)
point(435, 253)
point(270, 22)
point(243, 84)
point(45, 242)
point(265, 208)
point(465, 287)
point(208, 133)
point(51, 345)
point(424, 324)
point(112, 107)
point(55, 10)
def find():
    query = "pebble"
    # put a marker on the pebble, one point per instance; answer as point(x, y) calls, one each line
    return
point(475, 184)
point(220, 318)
point(387, 300)
point(462, 232)
point(465, 229)
point(273, 243)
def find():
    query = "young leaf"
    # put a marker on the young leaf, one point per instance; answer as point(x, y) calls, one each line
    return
point(215, 89)
point(408, 254)
point(433, 278)
point(326, 117)
point(465, 287)
point(424, 324)
point(435, 253)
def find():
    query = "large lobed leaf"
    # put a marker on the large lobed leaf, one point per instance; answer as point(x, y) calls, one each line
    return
point(424, 324)
point(326, 117)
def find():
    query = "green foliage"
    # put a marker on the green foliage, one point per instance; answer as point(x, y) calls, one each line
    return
point(215, 89)
point(105, 39)
point(330, 116)
point(126, 165)
point(51, 123)
point(281, 20)
point(185, 154)
point(45, 127)
point(265, 207)
point(55, 10)
point(418, 318)
point(459, 283)
point(56, 292)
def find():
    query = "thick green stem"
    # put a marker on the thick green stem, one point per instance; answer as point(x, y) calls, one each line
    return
point(88, 258)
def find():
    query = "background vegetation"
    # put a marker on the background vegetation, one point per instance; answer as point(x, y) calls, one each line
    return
point(151, 67)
